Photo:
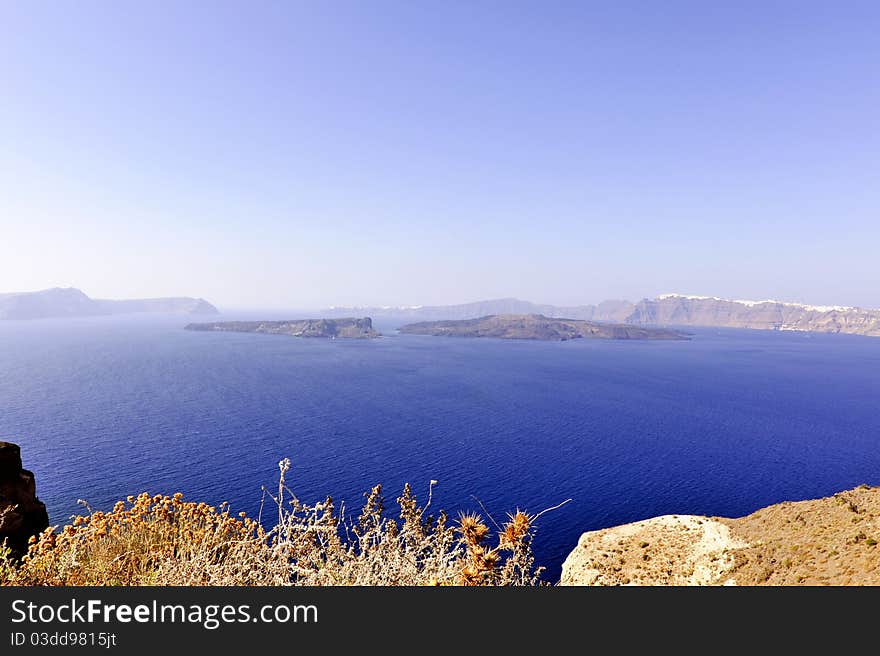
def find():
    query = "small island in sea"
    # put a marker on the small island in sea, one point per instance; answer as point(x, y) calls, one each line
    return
point(349, 328)
point(537, 326)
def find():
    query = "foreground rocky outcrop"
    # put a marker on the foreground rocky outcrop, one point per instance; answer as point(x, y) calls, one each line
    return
point(347, 328)
point(536, 326)
point(829, 541)
point(22, 514)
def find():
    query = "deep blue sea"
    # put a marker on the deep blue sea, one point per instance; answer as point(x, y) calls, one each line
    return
point(721, 425)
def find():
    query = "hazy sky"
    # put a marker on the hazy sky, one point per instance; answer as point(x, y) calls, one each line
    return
point(330, 153)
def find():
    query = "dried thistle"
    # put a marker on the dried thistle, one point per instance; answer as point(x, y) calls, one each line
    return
point(165, 540)
point(472, 528)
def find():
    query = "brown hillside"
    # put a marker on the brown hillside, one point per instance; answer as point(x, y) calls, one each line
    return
point(830, 541)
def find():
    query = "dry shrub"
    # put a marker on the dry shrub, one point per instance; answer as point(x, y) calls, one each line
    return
point(152, 540)
point(161, 540)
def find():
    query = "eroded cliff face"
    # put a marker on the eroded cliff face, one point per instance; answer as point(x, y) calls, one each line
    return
point(22, 514)
point(679, 310)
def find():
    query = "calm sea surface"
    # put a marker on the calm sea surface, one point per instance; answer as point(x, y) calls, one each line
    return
point(721, 425)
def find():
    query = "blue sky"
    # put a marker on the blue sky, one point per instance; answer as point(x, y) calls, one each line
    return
point(272, 154)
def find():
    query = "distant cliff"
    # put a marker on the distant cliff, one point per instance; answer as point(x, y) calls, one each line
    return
point(536, 326)
point(71, 302)
point(680, 310)
point(343, 328)
point(172, 305)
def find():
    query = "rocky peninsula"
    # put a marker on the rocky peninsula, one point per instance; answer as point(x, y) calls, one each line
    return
point(347, 328)
point(537, 327)
point(830, 541)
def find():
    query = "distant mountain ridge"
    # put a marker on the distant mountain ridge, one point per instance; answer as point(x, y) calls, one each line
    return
point(682, 310)
point(665, 310)
point(605, 311)
point(61, 302)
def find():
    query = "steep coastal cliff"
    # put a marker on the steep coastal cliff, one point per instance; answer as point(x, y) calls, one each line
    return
point(679, 310)
point(22, 514)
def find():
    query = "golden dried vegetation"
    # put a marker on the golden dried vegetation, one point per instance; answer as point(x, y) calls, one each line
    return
point(166, 540)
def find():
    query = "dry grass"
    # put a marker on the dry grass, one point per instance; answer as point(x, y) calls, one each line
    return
point(830, 541)
point(162, 540)
point(152, 540)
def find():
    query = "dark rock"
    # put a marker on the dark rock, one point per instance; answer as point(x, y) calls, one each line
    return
point(347, 328)
point(22, 514)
